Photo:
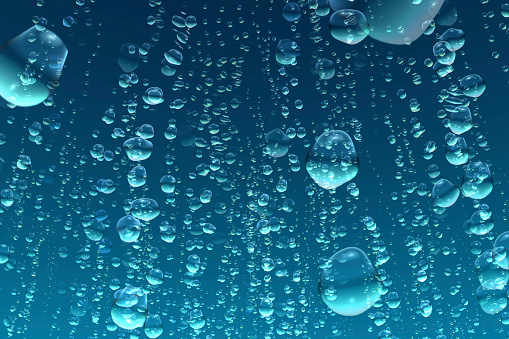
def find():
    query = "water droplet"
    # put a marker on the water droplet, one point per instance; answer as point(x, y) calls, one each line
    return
point(445, 193)
point(129, 309)
point(332, 161)
point(23, 80)
point(349, 285)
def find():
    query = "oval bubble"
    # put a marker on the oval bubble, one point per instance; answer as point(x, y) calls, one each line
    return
point(349, 26)
point(332, 161)
point(393, 21)
point(27, 81)
point(349, 283)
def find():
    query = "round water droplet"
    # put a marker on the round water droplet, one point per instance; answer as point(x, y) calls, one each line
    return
point(95, 230)
point(444, 53)
point(4, 253)
point(445, 193)
point(138, 149)
point(174, 57)
point(153, 326)
point(491, 301)
point(137, 176)
point(490, 271)
point(168, 183)
point(287, 52)
point(128, 228)
point(349, 26)
point(68, 21)
point(26, 80)
point(455, 38)
point(332, 161)
point(477, 183)
point(349, 285)
point(291, 11)
point(480, 222)
point(129, 309)
point(393, 21)
point(266, 307)
point(472, 85)
point(325, 68)
point(460, 120)
point(129, 57)
point(456, 151)
point(153, 96)
point(155, 277)
point(277, 143)
point(145, 209)
point(196, 319)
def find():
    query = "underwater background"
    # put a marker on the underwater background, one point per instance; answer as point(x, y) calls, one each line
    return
point(254, 169)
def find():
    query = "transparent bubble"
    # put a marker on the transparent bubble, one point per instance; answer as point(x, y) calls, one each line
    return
point(153, 326)
point(456, 151)
point(193, 263)
point(105, 246)
point(442, 70)
point(445, 193)
point(477, 182)
point(433, 171)
point(167, 232)
point(145, 209)
point(155, 277)
point(503, 241)
point(106, 186)
point(30, 67)
point(95, 230)
point(80, 306)
point(504, 10)
point(325, 68)
point(393, 300)
point(291, 11)
point(444, 53)
point(168, 183)
point(128, 228)
point(137, 176)
point(490, 271)
point(196, 319)
point(472, 85)
point(191, 21)
point(277, 143)
point(425, 308)
point(109, 116)
point(267, 263)
point(129, 57)
point(349, 285)
point(287, 52)
point(393, 21)
point(266, 307)
point(174, 57)
point(153, 96)
point(455, 38)
point(138, 149)
point(429, 148)
point(480, 222)
point(460, 120)
point(129, 309)
point(332, 161)
point(68, 21)
point(206, 196)
point(348, 26)
point(7, 197)
point(491, 301)
point(146, 131)
point(4, 253)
